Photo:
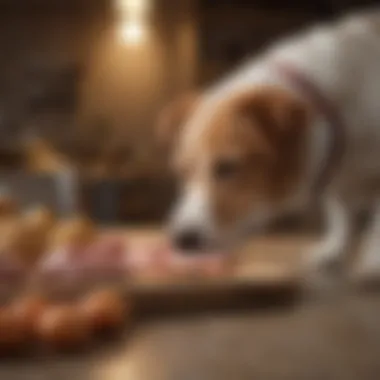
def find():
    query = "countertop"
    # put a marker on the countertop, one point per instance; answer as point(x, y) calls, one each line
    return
point(333, 336)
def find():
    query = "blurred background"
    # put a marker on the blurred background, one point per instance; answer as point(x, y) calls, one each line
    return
point(81, 85)
point(82, 81)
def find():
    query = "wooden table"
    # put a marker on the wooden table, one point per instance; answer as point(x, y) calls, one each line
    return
point(334, 337)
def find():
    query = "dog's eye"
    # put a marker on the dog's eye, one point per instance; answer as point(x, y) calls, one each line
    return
point(225, 169)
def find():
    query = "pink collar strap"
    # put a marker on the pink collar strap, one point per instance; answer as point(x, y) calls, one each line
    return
point(328, 109)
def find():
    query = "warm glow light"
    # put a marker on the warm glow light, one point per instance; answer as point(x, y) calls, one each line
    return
point(132, 33)
point(132, 8)
point(132, 18)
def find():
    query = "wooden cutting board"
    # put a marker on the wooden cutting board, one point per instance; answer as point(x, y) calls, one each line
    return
point(262, 273)
point(265, 273)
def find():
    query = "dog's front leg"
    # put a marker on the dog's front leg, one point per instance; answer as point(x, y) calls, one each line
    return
point(329, 251)
point(368, 265)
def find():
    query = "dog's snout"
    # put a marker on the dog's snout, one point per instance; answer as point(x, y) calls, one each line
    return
point(189, 240)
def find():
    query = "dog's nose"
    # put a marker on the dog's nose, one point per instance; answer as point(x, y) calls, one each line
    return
point(189, 240)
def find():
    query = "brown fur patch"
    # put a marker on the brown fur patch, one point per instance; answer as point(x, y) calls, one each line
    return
point(173, 116)
point(262, 134)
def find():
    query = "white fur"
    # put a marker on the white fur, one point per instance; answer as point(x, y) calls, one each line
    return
point(343, 59)
point(192, 211)
point(369, 260)
point(328, 251)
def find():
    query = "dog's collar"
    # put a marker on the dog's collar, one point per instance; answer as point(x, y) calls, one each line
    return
point(330, 112)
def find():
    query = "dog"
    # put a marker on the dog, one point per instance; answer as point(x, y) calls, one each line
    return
point(298, 124)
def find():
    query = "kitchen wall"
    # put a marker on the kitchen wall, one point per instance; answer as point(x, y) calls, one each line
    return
point(66, 70)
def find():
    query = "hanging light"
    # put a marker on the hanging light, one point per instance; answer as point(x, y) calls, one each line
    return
point(132, 20)
point(132, 8)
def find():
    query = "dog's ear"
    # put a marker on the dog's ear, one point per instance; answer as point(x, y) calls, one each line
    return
point(173, 116)
point(278, 115)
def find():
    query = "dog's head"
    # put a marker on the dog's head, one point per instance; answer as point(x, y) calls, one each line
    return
point(238, 162)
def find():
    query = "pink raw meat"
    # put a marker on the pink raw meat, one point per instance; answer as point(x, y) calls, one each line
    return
point(62, 266)
point(148, 259)
point(104, 259)
point(162, 260)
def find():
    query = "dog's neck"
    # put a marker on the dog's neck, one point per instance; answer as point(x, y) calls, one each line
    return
point(327, 144)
